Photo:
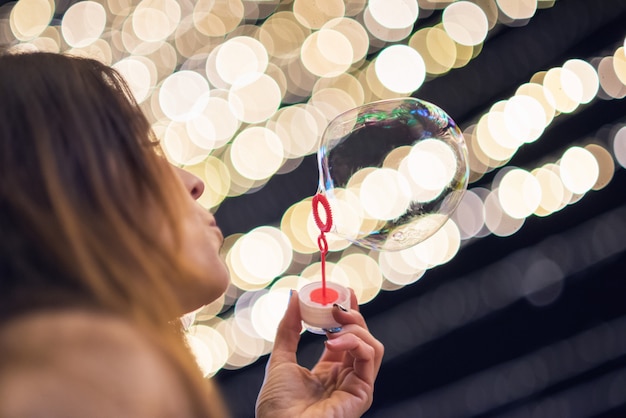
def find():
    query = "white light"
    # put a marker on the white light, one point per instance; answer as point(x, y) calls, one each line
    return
point(400, 68)
point(519, 193)
point(83, 23)
point(394, 14)
point(184, 95)
point(579, 170)
point(465, 22)
point(385, 194)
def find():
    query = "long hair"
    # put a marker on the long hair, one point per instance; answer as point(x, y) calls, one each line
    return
point(86, 197)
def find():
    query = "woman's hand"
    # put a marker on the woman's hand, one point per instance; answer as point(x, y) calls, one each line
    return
point(341, 384)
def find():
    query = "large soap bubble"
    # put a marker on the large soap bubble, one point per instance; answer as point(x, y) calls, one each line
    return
point(393, 171)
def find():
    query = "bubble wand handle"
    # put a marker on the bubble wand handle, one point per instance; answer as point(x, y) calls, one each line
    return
point(324, 227)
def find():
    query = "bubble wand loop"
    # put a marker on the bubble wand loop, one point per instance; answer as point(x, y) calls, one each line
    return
point(324, 227)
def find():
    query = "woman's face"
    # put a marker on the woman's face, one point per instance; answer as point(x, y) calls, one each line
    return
point(202, 240)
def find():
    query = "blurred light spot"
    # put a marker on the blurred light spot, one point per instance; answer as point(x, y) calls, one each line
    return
point(453, 240)
point(436, 48)
point(130, 43)
point(217, 17)
point(518, 9)
point(381, 32)
point(46, 44)
point(606, 165)
point(397, 270)
point(257, 153)
point(183, 95)
point(568, 196)
point(179, 147)
point(354, 32)
point(267, 312)
point(240, 57)
point(216, 353)
point(619, 146)
point(442, 49)
point(543, 282)
point(464, 54)
point(348, 221)
point(400, 68)
point(552, 193)
point(430, 166)
point(139, 73)
point(619, 64)
point(503, 133)
point(497, 220)
point(313, 14)
point(487, 142)
point(465, 22)
point(83, 23)
point(293, 224)
point(525, 118)
point(331, 102)
point(245, 348)
point(394, 14)
point(282, 35)
point(579, 170)
point(254, 98)
point(479, 162)
point(588, 77)
point(214, 126)
point(519, 193)
point(155, 20)
point(609, 81)
point(327, 53)
point(243, 311)
point(430, 252)
point(385, 194)
point(346, 83)
point(354, 7)
point(334, 273)
point(299, 127)
point(29, 18)
point(543, 96)
point(217, 182)
point(469, 215)
point(565, 87)
point(364, 274)
point(99, 50)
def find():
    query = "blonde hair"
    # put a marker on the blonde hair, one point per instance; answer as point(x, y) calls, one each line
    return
point(85, 198)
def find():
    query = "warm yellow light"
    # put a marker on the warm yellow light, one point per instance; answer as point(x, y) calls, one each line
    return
point(29, 18)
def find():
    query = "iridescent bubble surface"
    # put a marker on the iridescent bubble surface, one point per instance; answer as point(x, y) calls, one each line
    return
point(393, 172)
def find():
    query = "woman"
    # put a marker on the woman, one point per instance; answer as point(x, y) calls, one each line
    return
point(102, 245)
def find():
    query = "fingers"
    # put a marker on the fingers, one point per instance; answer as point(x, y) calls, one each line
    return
point(288, 333)
point(364, 357)
point(353, 323)
point(350, 316)
point(354, 302)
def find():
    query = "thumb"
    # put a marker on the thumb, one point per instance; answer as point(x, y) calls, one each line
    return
point(288, 333)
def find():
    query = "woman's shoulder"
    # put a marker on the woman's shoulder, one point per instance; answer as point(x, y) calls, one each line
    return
point(80, 363)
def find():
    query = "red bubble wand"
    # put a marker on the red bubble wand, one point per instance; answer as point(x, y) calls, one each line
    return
point(324, 227)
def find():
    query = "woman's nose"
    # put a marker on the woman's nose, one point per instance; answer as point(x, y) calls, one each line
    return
point(193, 183)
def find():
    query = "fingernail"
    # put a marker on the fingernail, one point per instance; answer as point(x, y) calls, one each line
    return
point(336, 305)
point(333, 330)
point(290, 293)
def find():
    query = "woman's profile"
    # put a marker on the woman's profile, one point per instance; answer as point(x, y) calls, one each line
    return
point(103, 246)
